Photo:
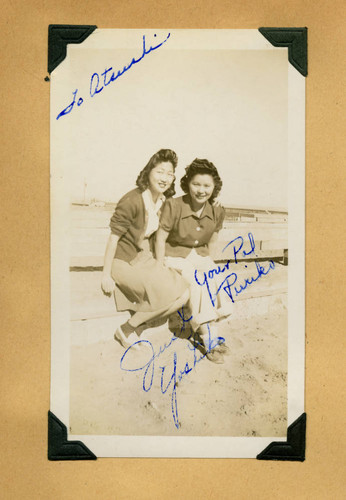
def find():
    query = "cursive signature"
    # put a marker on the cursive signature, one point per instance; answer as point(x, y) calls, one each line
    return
point(109, 75)
point(170, 374)
point(231, 284)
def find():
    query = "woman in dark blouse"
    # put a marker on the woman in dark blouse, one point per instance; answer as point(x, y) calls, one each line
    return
point(189, 226)
point(143, 285)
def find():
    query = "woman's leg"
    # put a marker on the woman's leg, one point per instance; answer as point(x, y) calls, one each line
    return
point(212, 346)
point(125, 333)
point(203, 307)
point(141, 317)
point(208, 333)
point(222, 304)
point(186, 270)
point(146, 283)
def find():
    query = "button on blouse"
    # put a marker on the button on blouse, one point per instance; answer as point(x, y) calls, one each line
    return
point(183, 225)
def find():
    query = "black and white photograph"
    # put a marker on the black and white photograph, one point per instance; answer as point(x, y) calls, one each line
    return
point(177, 242)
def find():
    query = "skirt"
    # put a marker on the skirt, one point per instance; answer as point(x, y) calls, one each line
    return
point(145, 285)
point(207, 311)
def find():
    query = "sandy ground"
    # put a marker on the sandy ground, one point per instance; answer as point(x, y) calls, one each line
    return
point(244, 396)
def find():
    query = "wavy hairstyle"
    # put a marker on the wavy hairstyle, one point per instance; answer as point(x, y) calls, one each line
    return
point(163, 155)
point(201, 167)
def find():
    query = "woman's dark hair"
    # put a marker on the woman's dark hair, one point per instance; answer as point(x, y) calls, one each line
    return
point(201, 167)
point(163, 155)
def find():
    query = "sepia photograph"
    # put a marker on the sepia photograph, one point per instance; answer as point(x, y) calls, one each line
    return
point(177, 242)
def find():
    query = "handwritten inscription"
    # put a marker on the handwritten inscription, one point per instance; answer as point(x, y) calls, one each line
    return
point(171, 373)
point(98, 82)
point(231, 284)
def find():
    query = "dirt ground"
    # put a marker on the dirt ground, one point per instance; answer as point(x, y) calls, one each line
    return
point(172, 389)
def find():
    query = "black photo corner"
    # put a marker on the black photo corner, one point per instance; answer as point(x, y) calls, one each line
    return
point(59, 35)
point(59, 448)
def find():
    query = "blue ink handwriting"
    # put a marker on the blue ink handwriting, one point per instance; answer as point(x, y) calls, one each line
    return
point(237, 248)
point(184, 320)
point(231, 280)
point(109, 75)
point(175, 375)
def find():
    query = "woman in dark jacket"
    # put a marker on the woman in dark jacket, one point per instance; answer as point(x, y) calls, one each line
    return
point(150, 289)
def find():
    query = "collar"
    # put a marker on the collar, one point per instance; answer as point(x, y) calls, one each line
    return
point(188, 212)
point(148, 201)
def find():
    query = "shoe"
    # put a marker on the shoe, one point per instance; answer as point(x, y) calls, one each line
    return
point(126, 342)
point(223, 348)
point(215, 356)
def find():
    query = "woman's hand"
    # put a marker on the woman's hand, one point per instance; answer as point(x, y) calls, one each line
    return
point(107, 285)
point(217, 202)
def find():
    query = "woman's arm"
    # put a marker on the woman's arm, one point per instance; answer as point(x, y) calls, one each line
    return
point(212, 244)
point(161, 237)
point(107, 283)
point(219, 219)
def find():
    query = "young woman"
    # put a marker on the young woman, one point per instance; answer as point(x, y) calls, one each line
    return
point(140, 283)
point(189, 226)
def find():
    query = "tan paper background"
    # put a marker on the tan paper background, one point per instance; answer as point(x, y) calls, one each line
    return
point(25, 320)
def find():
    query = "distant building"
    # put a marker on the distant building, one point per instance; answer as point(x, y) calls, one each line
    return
point(245, 214)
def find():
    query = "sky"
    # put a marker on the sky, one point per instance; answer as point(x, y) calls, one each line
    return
point(229, 106)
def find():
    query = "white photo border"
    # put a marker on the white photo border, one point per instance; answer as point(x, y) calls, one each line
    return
point(187, 446)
